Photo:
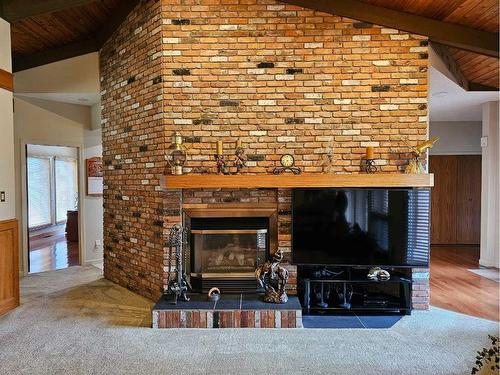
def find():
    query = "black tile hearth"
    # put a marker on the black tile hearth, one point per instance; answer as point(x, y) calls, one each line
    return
point(229, 302)
point(226, 302)
point(196, 302)
point(351, 320)
point(250, 302)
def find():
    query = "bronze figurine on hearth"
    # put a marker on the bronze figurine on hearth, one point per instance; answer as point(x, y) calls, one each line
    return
point(273, 278)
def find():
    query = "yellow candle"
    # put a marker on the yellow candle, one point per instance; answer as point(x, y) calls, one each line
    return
point(219, 148)
point(238, 143)
point(369, 152)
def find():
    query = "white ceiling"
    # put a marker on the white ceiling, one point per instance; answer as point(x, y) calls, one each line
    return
point(457, 104)
point(87, 99)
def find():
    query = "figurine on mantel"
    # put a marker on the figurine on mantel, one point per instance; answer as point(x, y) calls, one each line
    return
point(415, 165)
point(273, 278)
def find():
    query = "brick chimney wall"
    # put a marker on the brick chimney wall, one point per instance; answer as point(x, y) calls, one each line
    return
point(280, 78)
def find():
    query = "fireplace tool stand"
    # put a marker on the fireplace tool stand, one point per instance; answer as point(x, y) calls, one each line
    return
point(179, 286)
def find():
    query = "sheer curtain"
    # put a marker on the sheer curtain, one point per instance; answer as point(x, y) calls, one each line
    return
point(39, 188)
point(66, 180)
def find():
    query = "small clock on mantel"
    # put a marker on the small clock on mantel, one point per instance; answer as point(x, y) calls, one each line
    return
point(287, 162)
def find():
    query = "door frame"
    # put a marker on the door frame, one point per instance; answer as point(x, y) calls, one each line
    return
point(24, 200)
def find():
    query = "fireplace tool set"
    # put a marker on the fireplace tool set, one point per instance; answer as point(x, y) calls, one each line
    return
point(179, 286)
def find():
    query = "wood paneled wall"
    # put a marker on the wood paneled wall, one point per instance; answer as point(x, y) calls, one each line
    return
point(9, 266)
point(456, 199)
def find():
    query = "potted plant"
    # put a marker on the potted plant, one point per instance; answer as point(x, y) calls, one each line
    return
point(487, 359)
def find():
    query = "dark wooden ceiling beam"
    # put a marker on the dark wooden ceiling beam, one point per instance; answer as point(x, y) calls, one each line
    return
point(455, 70)
point(474, 86)
point(16, 10)
point(451, 64)
point(116, 20)
point(67, 51)
point(454, 35)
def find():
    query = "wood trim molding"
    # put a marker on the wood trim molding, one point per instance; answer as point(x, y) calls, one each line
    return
point(9, 273)
point(270, 181)
point(6, 80)
point(450, 34)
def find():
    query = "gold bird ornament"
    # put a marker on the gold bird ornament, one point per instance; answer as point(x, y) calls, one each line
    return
point(415, 165)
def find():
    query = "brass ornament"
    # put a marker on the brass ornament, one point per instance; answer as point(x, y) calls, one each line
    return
point(415, 165)
point(177, 154)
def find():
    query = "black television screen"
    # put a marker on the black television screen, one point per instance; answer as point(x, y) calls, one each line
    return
point(372, 227)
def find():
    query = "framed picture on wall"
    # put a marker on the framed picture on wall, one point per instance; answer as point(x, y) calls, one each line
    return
point(94, 176)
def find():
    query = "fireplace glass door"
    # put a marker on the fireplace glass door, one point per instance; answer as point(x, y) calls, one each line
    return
point(228, 252)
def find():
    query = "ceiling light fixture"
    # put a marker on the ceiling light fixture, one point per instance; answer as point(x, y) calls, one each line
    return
point(440, 94)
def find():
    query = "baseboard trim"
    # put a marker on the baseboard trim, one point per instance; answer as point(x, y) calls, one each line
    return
point(95, 262)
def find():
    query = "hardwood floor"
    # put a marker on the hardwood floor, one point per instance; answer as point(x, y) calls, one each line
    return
point(455, 288)
point(49, 250)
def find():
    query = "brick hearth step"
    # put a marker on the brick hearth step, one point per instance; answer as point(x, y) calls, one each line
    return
point(231, 311)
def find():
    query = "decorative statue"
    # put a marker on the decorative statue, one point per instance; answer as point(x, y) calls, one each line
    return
point(273, 278)
point(178, 286)
point(241, 158)
point(415, 164)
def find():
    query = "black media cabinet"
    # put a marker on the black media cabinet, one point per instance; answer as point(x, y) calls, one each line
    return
point(391, 295)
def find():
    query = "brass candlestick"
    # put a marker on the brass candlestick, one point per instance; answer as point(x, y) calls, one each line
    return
point(219, 158)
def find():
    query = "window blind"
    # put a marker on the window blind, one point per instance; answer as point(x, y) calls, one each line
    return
point(39, 210)
point(66, 180)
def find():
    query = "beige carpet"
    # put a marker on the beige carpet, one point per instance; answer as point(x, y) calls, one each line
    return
point(74, 322)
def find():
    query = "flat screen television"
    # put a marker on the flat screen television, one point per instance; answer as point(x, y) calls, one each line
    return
point(361, 227)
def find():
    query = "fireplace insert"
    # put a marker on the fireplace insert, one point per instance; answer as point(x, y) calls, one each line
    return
point(226, 251)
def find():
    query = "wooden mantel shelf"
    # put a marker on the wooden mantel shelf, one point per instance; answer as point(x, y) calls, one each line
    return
point(270, 181)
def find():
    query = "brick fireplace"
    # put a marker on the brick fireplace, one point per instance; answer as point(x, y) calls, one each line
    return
point(280, 78)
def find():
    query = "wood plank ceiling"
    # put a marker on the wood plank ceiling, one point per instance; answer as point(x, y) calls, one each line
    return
point(50, 30)
point(478, 14)
point(73, 27)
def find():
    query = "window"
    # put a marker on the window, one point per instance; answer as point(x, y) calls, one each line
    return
point(52, 189)
point(66, 187)
point(39, 188)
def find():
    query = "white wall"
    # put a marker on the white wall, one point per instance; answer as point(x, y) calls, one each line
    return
point(7, 208)
point(93, 220)
point(490, 189)
point(76, 75)
point(456, 137)
point(59, 124)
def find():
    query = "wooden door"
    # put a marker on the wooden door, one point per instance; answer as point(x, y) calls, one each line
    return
point(456, 199)
point(9, 266)
point(469, 199)
point(444, 199)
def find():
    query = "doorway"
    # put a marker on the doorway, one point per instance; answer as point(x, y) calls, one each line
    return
point(53, 206)
point(456, 280)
